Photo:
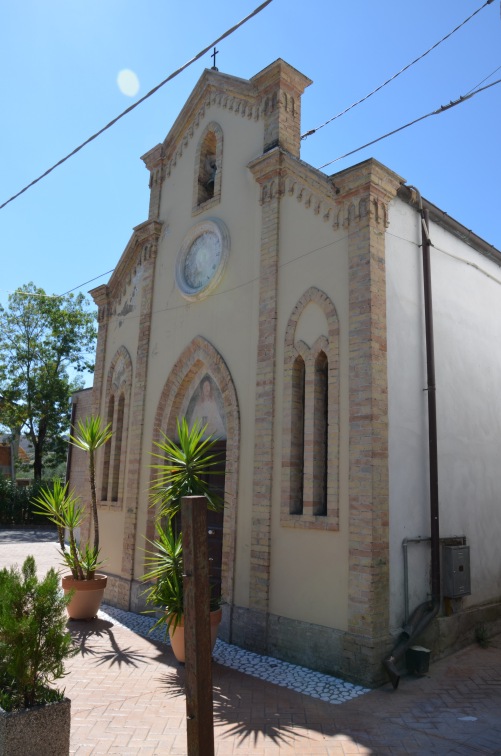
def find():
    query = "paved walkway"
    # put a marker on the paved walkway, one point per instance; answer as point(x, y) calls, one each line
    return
point(127, 698)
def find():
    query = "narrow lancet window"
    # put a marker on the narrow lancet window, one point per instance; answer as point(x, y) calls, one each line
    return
point(320, 434)
point(107, 453)
point(207, 168)
point(297, 438)
point(118, 448)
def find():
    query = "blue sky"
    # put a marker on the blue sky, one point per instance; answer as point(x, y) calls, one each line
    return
point(61, 60)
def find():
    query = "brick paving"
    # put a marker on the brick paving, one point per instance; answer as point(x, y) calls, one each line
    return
point(127, 698)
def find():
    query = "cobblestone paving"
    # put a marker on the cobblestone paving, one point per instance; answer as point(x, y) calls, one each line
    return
point(127, 695)
point(301, 679)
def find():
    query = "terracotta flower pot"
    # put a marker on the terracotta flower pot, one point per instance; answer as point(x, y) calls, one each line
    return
point(177, 635)
point(87, 597)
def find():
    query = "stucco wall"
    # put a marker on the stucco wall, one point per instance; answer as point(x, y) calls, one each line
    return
point(467, 323)
point(123, 333)
point(227, 318)
point(309, 568)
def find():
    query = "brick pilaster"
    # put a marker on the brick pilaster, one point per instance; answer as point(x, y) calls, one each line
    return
point(101, 297)
point(280, 87)
point(267, 171)
point(369, 189)
point(154, 163)
point(136, 421)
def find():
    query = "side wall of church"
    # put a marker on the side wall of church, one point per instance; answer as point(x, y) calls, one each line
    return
point(467, 323)
point(338, 554)
point(124, 317)
point(122, 334)
point(313, 560)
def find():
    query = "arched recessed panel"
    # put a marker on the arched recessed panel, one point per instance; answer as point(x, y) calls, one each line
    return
point(310, 461)
point(118, 392)
point(208, 168)
point(198, 362)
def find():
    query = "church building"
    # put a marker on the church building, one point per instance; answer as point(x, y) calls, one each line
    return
point(287, 309)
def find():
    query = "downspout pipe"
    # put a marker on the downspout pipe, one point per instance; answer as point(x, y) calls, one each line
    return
point(424, 613)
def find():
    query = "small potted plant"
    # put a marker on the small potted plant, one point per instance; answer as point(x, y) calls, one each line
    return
point(34, 644)
point(62, 507)
point(182, 471)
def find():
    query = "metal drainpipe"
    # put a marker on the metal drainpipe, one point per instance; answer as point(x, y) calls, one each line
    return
point(424, 613)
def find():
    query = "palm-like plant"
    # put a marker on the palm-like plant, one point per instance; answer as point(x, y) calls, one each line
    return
point(182, 471)
point(61, 507)
point(166, 569)
point(89, 437)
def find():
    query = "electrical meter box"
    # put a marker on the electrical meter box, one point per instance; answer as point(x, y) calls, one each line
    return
point(456, 571)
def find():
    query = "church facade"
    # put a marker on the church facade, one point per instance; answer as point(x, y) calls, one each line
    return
point(284, 308)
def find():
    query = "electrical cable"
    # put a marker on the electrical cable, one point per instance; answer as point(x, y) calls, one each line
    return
point(56, 296)
point(441, 109)
point(141, 100)
point(484, 79)
point(86, 282)
point(392, 78)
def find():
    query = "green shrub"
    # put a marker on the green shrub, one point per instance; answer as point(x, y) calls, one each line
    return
point(16, 503)
point(34, 642)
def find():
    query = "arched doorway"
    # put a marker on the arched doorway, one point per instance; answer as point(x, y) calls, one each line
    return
point(186, 394)
point(205, 406)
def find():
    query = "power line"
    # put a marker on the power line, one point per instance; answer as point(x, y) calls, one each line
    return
point(484, 79)
point(439, 110)
point(392, 78)
point(56, 296)
point(132, 107)
point(442, 108)
point(86, 282)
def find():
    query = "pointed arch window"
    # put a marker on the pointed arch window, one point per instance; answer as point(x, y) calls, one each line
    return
point(118, 391)
point(297, 437)
point(107, 451)
point(208, 168)
point(117, 461)
point(310, 462)
point(320, 435)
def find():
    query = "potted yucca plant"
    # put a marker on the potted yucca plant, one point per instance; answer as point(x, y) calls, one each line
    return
point(182, 471)
point(34, 645)
point(62, 507)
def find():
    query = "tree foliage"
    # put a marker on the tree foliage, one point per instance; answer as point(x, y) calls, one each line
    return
point(41, 338)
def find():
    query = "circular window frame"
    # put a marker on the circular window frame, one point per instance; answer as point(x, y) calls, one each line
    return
point(211, 225)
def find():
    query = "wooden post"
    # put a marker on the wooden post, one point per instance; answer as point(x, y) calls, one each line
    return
point(198, 665)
